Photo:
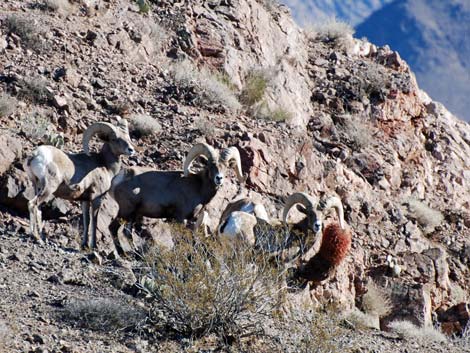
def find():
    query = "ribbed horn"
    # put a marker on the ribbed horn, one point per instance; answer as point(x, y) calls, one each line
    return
point(231, 156)
point(298, 197)
point(105, 129)
point(201, 149)
point(334, 202)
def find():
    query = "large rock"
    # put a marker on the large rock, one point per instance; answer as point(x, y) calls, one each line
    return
point(9, 151)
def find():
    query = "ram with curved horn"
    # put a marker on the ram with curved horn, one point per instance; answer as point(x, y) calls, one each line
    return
point(175, 195)
point(335, 243)
point(83, 177)
point(248, 220)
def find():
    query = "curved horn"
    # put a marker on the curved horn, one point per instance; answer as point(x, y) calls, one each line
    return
point(334, 202)
point(298, 197)
point(105, 129)
point(123, 124)
point(201, 149)
point(230, 156)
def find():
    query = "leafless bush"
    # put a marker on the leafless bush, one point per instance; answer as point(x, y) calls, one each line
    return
point(35, 89)
point(331, 30)
point(106, 315)
point(307, 330)
point(62, 7)
point(37, 126)
point(362, 320)
point(427, 218)
point(207, 286)
point(355, 132)
point(211, 89)
point(28, 31)
point(376, 301)
point(158, 35)
point(145, 125)
point(407, 330)
point(7, 105)
point(205, 127)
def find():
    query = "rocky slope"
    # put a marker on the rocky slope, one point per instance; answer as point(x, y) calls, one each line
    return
point(431, 36)
point(352, 122)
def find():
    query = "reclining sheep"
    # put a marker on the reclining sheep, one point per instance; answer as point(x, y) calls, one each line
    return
point(82, 177)
point(175, 195)
point(246, 220)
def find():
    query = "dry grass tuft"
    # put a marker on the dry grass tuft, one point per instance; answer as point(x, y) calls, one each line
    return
point(7, 105)
point(62, 7)
point(211, 89)
point(362, 320)
point(105, 315)
point(35, 89)
point(376, 301)
point(28, 31)
point(355, 132)
point(332, 31)
point(255, 86)
point(409, 331)
point(208, 286)
point(145, 125)
point(426, 217)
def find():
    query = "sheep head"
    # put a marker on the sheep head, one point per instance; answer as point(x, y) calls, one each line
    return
point(217, 163)
point(305, 204)
point(116, 136)
point(326, 204)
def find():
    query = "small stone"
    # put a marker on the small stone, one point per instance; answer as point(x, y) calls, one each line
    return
point(60, 102)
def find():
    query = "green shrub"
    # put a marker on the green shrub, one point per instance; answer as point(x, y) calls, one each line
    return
point(254, 89)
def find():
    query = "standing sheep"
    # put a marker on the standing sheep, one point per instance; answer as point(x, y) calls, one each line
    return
point(83, 177)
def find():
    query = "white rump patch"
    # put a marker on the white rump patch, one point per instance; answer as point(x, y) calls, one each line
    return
point(40, 161)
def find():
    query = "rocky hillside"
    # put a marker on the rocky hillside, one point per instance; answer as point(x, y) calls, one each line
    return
point(433, 37)
point(322, 113)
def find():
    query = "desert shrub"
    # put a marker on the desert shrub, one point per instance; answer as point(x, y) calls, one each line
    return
point(107, 315)
point(158, 35)
point(408, 330)
point(7, 105)
point(210, 89)
point(255, 86)
point(35, 89)
point(376, 301)
point(62, 7)
point(205, 127)
point(37, 126)
point(210, 286)
point(145, 125)
point(362, 320)
point(27, 30)
point(426, 217)
point(144, 6)
point(354, 131)
point(280, 114)
point(305, 330)
point(332, 30)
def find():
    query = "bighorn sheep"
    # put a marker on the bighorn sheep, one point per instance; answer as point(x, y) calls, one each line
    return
point(335, 244)
point(176, 195)
point(247, 220)
point(82, 177)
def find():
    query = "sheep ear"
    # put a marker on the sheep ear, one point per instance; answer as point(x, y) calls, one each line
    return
point(301, 208)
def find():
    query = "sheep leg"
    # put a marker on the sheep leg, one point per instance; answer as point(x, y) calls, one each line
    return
point(35, 213)
point(113, 230)
point(95, 208)
point(86, 223)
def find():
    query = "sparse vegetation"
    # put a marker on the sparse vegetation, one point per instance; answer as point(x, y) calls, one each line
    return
point(210, 89)
point(105, 315)
point(208, 286)
point(376, 301)
point(7, 105)
point(255, 86)
point(354, 131)
point(158, 34)
point(145, 125)
point(36, 126)
point(409, 331)
point(144, 6)
point(426, 217)
point(27, 30)
point(35, 89)
point(280, 114)
point(362, 320)
point(62, 7)
point(205, 127)
point(332, 31)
